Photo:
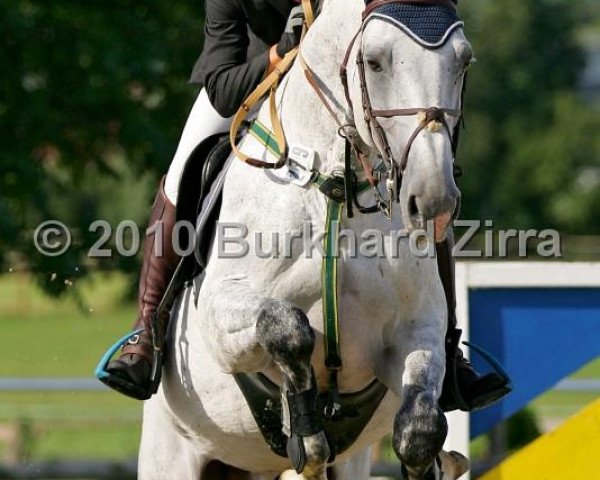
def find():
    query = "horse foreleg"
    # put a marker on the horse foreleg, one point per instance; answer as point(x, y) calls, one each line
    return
point(420, 427)
point(164, 451)
point(283, 330)
point(248, 332)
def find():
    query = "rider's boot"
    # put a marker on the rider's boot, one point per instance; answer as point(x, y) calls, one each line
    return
point(463, 387)
point(134, 366)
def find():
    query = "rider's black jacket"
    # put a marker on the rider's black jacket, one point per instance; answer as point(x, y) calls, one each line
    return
point(235, 57)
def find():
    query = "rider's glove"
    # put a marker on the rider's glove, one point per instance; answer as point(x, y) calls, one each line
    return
point(292, 33)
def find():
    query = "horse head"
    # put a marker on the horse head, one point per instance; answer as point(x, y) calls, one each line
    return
point(409, 83)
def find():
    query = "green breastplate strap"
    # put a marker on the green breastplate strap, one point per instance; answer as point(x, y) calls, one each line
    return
point(333, 188)
point(329, 284)
point(330, 186)
point(344, 415)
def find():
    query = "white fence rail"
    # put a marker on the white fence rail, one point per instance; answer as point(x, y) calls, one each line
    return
point(93, 385)
point(50, 385)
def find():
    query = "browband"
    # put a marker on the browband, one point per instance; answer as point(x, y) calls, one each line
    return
point(378, 3)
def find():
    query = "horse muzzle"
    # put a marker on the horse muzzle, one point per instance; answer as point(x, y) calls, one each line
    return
point(432, 213)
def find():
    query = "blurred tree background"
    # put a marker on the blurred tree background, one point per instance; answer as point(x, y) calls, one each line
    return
point(92, 99)
point(94, 95)
point(532, 150)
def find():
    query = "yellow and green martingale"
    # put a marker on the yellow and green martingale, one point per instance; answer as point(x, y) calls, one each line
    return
point(329, 284)
point(265, 137)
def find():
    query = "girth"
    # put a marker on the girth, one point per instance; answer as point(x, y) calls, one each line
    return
point(264, 399)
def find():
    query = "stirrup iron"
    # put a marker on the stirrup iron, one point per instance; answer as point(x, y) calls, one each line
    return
point(494, 396)
point(127, 387)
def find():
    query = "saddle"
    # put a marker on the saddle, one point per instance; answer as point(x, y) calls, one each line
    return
point(200, 202)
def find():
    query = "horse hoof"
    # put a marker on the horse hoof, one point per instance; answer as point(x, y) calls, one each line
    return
point(316, 454)
point(289, 475)
point(454, 465)
point(317, 449)
point(292, 475)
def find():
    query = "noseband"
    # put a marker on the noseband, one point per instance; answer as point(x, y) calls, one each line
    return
point(431, 118)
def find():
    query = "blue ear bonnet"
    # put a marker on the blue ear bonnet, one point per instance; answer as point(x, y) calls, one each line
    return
point(429, 25)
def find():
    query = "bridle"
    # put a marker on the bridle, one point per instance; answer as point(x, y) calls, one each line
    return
point(432, 118)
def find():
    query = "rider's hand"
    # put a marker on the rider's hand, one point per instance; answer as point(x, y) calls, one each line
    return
point(292, 33)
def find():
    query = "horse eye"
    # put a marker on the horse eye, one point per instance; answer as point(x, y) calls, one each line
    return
point(374, 66)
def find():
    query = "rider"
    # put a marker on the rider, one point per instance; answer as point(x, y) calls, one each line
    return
point(244, 41)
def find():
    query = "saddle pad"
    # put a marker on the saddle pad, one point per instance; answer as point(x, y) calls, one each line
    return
point(428, 25)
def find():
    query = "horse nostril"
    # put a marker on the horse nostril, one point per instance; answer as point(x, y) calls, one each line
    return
point(413, 210)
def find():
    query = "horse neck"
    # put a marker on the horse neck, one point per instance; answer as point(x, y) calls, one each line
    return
point(305, 119)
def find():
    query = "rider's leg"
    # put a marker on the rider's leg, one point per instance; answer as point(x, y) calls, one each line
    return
point(159, 262)
point(203, 122)
point(160, 259)
point(477, 391)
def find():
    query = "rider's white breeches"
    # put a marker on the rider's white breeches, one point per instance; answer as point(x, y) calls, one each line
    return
point(202, 122)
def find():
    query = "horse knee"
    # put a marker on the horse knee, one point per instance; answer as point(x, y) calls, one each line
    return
point(284, 331)
point(420, 429)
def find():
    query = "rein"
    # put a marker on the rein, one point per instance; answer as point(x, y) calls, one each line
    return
point(269, 85)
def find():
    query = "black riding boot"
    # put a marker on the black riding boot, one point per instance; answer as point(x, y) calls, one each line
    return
point(131, 372)
point(463, 388)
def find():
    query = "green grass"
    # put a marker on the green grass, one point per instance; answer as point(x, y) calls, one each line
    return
point(478, 447)
point(554, 404)
point(591, 370)
point(74, 424)
point(45, 337)
point(72, 406)
point(560, 404)
point(42, 337)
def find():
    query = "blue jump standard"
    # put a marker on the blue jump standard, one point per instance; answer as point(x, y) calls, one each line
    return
point(540, 335)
